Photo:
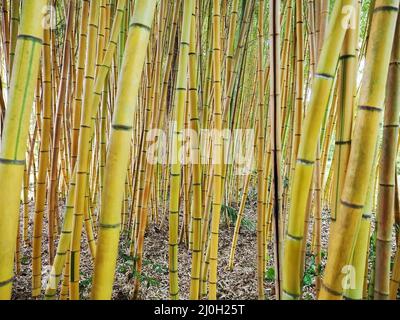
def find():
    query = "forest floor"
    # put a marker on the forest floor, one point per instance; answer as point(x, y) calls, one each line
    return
point(240, 284)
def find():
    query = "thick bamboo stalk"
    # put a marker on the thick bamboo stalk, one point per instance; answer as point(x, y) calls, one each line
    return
point(362, 153)
point(321, 88)
point(118, 153)
point(15, 134)
point(387, 174)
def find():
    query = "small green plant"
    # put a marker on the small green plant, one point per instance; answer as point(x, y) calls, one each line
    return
point(311, 271)
point(129, 266)
point(372, 246)
point(143, 278)
point(307, 279)
point(270, 274)
point(25, 260)
point(158, 268)
point(85, 283)
point(122, 269)
point(232, 214)
point(286, 182)
point(308, 296)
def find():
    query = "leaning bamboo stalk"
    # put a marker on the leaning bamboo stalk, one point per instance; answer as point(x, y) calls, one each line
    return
point(102, 74)
point(118, 153)
point(238, 221)
point(361, 156)
point(64, 243)
point(346, 86)
point(322, 85)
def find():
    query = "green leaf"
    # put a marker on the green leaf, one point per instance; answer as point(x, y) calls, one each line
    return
point(307, 279)
point(270, 274)
point(25, 260)
point(308, 296)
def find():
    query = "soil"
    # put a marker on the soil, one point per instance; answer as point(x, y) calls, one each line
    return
point(240, 284)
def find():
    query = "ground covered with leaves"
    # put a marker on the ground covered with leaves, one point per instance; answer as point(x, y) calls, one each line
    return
point(238, 284)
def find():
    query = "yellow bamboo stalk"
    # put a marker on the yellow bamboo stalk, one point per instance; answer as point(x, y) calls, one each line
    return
point(83, 150)
point(118, 153)
point(196, 213)
point(40, 196)
point(362, 153)
point(15, 134)
point(217, 150)
point(260, 156)
point(388, 174)
point(175, 180)
point(321, 88)
point(80, 68)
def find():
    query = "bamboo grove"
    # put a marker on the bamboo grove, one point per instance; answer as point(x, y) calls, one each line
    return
point(118, 117)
